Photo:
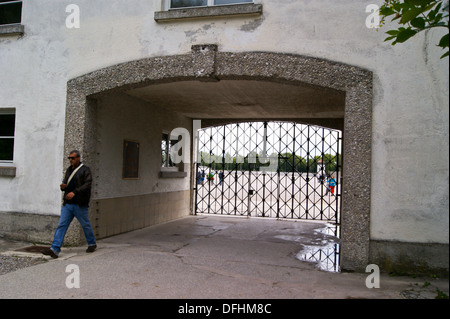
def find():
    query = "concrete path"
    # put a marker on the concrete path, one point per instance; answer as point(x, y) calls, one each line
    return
point(201, 257)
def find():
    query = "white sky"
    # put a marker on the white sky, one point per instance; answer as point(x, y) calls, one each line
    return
point(246, 137)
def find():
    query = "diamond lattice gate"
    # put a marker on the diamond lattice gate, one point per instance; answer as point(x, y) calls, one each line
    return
point(269, 169)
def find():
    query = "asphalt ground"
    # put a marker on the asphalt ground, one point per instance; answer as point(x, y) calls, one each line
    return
point(206, 258)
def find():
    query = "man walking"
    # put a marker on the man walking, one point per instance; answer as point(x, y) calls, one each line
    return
point(77, 193)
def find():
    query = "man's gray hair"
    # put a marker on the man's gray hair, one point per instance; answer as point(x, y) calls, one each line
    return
point(76, 152)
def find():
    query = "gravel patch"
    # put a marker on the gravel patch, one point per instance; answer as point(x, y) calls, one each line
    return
point(10, 263)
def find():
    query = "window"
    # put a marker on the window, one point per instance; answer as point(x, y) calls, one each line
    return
point(166, 144)
point(168, 168)
point(175, 4)
point(7, 128)
point(10, 12)
point(174, 10)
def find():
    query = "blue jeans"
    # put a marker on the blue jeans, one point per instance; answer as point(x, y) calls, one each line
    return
point(68, 212)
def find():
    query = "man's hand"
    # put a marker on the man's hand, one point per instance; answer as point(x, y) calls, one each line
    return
point(70, 195)
point(63, 186)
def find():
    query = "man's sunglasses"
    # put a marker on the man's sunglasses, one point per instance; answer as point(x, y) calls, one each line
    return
point(72, 157)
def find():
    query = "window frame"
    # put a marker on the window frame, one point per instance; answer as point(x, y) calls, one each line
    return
point(210, 3)
point(245, 9)
point(9, 111)
point(175, 171)
point(168, 139)
point(11, 2)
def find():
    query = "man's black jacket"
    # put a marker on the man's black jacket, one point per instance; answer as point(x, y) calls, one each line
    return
point(80, 185)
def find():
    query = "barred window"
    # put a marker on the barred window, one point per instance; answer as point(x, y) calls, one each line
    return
point(10, 12)
point(166, 144)
point(7, 128)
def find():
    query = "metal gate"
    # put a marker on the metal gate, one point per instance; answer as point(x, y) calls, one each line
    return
point(269, 169)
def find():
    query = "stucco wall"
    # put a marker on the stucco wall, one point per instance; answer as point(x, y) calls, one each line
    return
point(122, 117)
point(409, 200)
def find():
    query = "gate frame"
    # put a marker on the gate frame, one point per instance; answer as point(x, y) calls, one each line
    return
point(196, 195)
point(205, 63)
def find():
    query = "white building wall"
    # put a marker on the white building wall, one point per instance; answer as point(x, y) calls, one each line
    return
point(123, 117)
point(410, 108)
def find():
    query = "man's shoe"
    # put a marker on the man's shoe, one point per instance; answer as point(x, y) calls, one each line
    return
point(49, 252)
point(91, 249)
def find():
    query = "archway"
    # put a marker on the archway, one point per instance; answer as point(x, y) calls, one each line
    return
point(206, 64)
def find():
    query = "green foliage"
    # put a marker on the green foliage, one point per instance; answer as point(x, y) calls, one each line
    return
point(416, 16)
point(441, 294)
point(287, 162)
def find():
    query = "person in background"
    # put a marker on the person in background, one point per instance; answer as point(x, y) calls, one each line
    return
point(331, 183)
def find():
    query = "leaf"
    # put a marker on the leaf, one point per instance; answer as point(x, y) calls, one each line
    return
point(418, 2)
point(438, 7)
point(444, 55)
point(444, 41)
point(412, 13)
point(397, 6)
point(432, 14)
point(393, 32)
point(418, 23)
point(386, 11)
point(390, 38)
point(405, 35)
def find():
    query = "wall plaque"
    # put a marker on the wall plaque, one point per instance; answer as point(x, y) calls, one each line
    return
point(130, 160)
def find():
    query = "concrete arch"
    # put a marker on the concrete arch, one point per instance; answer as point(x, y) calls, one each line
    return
point(206, 63)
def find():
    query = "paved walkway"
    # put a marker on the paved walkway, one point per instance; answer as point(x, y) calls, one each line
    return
point(201, 257)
